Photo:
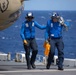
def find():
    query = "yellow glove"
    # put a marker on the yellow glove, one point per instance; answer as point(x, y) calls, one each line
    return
point(25, 42)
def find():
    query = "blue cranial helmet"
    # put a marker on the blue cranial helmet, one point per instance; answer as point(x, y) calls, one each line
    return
point(55, 15)
point(29, 14)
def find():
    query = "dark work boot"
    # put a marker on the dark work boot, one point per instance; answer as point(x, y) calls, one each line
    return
point(29, 67)
point(47, 66)
point(33, 66)
point(60, 68)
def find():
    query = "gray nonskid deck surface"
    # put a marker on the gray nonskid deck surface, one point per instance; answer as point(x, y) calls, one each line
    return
point(40, 70)
point(21, 69)
point(42, 73)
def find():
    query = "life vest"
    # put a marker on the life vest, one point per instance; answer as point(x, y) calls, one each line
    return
point(55, 29)
point(29, 30)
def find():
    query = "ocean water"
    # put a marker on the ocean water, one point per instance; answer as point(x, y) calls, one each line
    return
point(10, 40)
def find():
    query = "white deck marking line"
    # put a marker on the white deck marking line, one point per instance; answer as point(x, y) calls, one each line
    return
point(24, 71)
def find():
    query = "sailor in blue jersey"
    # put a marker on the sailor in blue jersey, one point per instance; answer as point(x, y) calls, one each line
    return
point(28, 36)
point(54, 34)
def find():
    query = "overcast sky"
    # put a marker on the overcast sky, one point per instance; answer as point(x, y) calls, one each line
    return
point(50, 5)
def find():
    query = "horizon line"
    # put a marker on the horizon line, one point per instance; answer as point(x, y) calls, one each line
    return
point(49, 10)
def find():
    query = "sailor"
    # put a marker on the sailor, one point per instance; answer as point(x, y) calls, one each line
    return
point(54, 33)
point(28, 36)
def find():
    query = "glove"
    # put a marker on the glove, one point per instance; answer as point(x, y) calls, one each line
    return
point(25, 42)
point(61, 20)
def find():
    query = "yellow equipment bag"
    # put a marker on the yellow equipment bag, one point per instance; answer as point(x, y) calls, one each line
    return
point(47, 48)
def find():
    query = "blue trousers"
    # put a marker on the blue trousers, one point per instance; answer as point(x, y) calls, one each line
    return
point(56, 43)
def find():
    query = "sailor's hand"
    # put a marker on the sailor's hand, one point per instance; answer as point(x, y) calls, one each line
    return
point(66, 28)
point(46, 41)
point(25, 42)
